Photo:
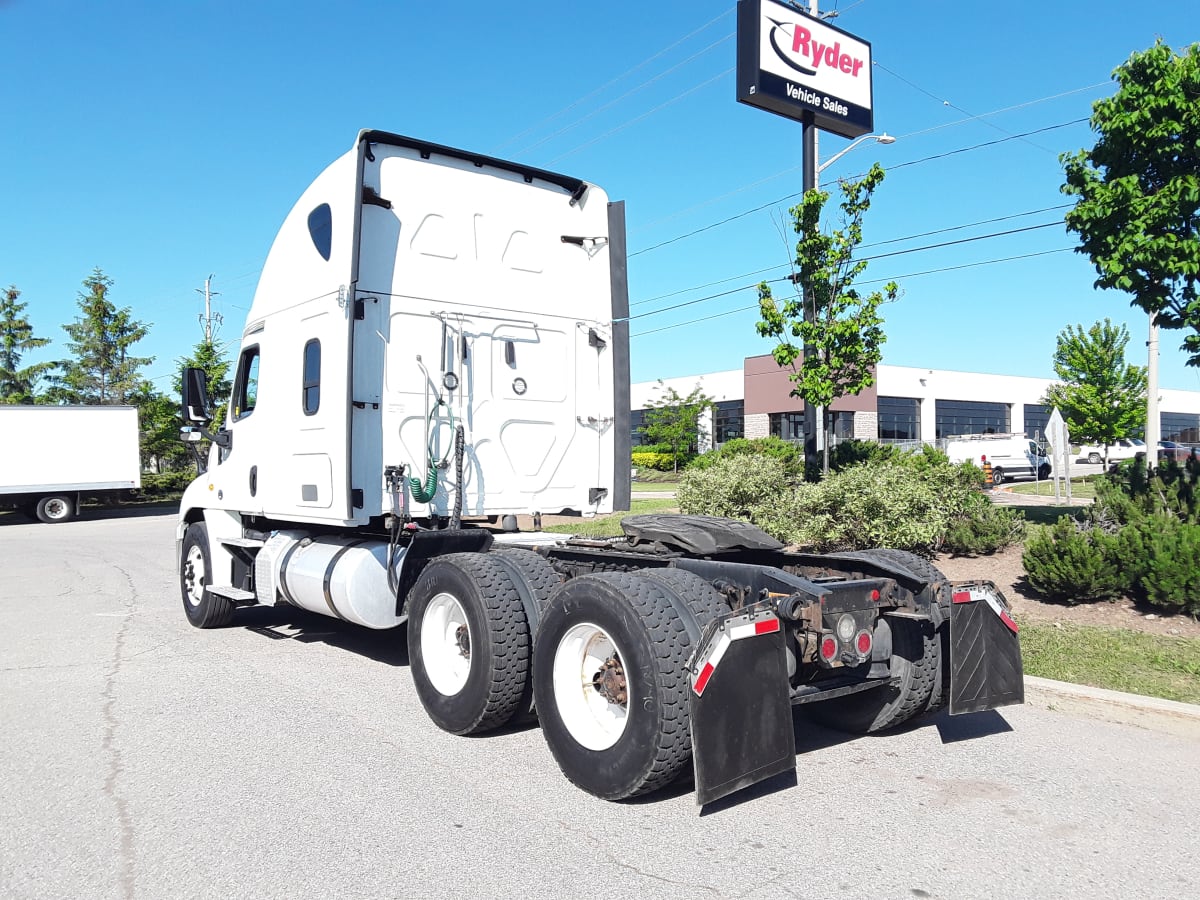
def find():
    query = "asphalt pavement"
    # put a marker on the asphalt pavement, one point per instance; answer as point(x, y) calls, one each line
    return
point(287, 755)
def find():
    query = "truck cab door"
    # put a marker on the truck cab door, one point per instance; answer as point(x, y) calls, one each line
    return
point(236, 475)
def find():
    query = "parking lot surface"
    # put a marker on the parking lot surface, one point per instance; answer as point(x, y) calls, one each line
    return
point(288, 756)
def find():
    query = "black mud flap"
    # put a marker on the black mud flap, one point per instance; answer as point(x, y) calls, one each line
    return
point(741, 714)
point(985, 651)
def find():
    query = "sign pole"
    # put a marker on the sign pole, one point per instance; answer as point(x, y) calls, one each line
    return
point(811, 458)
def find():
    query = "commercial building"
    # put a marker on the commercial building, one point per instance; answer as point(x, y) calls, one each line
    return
point(904, 405)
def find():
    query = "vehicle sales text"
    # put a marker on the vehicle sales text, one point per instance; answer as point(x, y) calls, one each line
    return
point(812, 98)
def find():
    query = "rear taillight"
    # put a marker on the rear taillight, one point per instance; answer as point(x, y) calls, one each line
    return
point(862, 643)
point(829, 648)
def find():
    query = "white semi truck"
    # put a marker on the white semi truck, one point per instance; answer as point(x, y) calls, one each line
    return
point(438, 343)
point(51, 456)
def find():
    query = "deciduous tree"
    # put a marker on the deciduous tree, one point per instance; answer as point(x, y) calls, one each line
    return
point(843, 326)
point(1100, 395)
point(675, 420)
point(1138, 189)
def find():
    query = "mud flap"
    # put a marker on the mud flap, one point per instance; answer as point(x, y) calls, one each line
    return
point(741, 712)
point(985, 651)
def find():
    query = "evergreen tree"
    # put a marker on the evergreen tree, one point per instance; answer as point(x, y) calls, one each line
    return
point(18, 385)
point(103, 371)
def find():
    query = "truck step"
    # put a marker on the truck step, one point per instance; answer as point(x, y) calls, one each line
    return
point(232, 593)
point(241, 542)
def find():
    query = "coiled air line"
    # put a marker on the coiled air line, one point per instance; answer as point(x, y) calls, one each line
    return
point(423, 492)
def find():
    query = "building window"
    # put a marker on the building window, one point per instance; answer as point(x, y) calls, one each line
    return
point(312, 377)
point(1183, 428)
point(1037, 417)
point(728, 421)
point(899, 419)
point(970, 417)
point(842, 425)
point(245, 390)
point(637, 419)
point(789, 426)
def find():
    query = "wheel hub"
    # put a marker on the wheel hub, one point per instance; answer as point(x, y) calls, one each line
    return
point(462, 638)
point(609, 681)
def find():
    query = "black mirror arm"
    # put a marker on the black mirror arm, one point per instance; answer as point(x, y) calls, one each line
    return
point(221, 438)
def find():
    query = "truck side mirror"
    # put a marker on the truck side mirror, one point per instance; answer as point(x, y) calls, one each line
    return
point(195, 397)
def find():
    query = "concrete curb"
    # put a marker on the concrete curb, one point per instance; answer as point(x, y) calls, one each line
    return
point(1151, 713)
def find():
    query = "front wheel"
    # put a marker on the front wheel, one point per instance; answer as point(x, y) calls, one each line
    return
point(468, 643)
point(610, 685)
point(204, 609)
point(55, 508)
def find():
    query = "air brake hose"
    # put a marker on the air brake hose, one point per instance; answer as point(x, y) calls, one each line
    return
point(423, 493)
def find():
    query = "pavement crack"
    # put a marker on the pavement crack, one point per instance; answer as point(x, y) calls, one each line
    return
point(126, 868)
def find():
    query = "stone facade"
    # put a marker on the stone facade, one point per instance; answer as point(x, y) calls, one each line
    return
point(866, 426)
point(758, 425)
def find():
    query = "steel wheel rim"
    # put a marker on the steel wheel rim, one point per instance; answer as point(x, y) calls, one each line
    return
point(444, 630)
point(593, 720)
point(193, 575)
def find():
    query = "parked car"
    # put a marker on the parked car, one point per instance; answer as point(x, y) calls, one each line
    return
point(1174, 450)
point(1125, 448)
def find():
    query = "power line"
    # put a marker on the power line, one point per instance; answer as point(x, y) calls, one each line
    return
point(978, 237)
point(909, 237)
point(986, 262)
point(608, 84)
point(795, 194)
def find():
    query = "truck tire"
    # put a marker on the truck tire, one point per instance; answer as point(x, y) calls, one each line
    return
point(997, 476)
point(54, 508)
point(689, 588)
point(533, 577)
point(610, 683)
point(204, 609)
point(469, 643)
point(943, 595)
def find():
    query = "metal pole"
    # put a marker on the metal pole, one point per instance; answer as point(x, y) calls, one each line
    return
point(1153, 423)
point(811, 457)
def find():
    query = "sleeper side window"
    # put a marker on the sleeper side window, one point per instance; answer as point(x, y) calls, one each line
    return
point(245, 389)
point(312, 377)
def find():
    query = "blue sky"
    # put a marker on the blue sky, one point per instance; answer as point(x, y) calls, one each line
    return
point(164, 142)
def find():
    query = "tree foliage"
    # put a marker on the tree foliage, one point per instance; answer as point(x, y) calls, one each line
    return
point(18, 384)
point(1138, 189)
point(839, 323)
point(675, 421)
point(103, 371)
point(1101, 396)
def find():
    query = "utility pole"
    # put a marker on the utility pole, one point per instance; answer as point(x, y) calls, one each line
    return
point(208, 317)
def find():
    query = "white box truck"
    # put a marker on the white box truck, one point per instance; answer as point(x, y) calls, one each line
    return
point(439, 341)
point(50, 456)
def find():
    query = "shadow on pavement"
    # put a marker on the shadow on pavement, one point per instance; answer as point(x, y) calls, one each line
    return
point(288, 623)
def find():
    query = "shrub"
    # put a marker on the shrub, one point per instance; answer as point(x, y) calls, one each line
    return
point(791, 455)
point(166, 483)
point(852, 452)
point(651, 459)
point(984, 528)
point(734, 486)
point(1171, 569)
point(1075, 565)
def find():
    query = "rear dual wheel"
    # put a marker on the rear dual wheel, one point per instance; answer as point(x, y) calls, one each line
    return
point(610, 678)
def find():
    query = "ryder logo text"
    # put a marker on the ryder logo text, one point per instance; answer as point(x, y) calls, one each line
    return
point(806, 54)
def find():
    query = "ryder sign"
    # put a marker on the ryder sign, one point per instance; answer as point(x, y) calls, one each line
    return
point(801, 68)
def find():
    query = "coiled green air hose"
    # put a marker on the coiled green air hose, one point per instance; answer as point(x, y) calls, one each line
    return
point(424, 492)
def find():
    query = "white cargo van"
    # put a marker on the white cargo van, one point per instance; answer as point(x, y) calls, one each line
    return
point(1011, 455)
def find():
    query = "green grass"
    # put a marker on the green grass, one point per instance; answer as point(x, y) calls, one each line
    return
point(640, 485)
point(653, 476)
point(610, 526)
point(1080, 489)
point(1113, 658)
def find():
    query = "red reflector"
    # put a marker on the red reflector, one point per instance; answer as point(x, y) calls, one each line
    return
point(864, 643)
point(874, 595)
point(829, 648)
point(1007, 620)
point(962, 596)
point(702, 678)
point(766, 626)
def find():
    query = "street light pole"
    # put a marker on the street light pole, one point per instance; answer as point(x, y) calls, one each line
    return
point(814, 416)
